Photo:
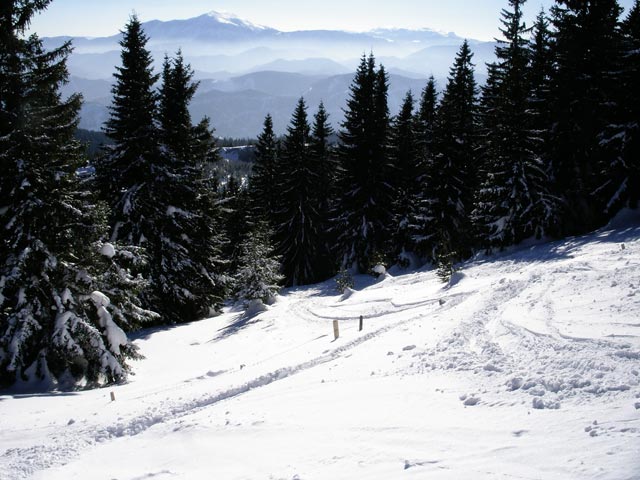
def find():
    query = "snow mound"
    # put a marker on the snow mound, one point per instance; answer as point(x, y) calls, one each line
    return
point(255, 307)
point(347, 293)
point(108, 250)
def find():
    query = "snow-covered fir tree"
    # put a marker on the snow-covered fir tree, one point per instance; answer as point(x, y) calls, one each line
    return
point(297, 222)
point(57, 329)
point(258, 276)
point(513, 201)
point(154, 172)
point(364, 198)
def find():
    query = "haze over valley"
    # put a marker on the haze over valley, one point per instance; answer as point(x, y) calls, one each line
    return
point(247, 70)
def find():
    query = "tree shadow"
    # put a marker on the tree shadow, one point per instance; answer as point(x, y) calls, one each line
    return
point(241, 322)
point(547, 251)
point(36, 390)
point(146, 333)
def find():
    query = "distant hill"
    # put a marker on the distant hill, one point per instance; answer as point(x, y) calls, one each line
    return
point(237, 106)
point(222, 42)
point(247, 70)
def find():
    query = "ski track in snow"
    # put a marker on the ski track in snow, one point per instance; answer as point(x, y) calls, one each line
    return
point(69, 444)
point(520, 336)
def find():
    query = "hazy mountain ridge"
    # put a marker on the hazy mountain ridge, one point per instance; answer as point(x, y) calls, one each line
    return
point(237, 106)
point(248, 70)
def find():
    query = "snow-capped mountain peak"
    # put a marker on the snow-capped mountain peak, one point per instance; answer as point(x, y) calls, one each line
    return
point(231, 19)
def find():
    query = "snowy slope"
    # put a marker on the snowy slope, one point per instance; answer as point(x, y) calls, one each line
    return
point(527, 366)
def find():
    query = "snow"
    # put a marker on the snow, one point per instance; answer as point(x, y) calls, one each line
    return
point(526, 366)
point(115, 335)
point(108, 250)
point(379, 270)
point(100, 299)
point(231, 19)
point(171, 211)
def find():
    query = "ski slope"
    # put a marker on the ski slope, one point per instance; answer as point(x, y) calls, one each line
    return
point(525, 366)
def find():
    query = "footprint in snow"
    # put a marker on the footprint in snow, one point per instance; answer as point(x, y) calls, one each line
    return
point(469, 401)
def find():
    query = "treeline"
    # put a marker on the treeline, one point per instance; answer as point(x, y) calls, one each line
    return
point(548, 147)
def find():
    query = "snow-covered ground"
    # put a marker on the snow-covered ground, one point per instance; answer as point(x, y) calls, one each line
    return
point(526, 367)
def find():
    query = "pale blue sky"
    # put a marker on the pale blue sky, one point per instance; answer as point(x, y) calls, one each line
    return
point(468, 18)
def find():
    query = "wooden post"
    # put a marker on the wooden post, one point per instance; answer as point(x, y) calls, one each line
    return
point(360, 326)
point(113, 397)
point(336, 331)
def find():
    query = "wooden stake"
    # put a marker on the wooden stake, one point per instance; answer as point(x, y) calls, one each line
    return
point(360, 326)
point(336, 331)
point(113, 397)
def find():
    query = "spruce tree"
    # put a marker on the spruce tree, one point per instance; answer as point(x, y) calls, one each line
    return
point(299, 241)
point(176, 92)
point(258, 275)
point(237, 220)
point(586, 48)
point(264, 174)
point(513, 200)
point(57, 329)
point(421, 235)
point(363, 213)
point(162, 200)
point(186, 239)
point(125, 172)
point(450, 198)
point(540, 73)
point(406, 162)
point(425, 120)
point(324, 191)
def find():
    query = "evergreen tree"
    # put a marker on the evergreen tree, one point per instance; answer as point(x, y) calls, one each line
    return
point(176, 92)
point(264, 175)
point(56, 328)
point(162, 200)
point(125, 172)
point(186, 239)
point(421, 236)
point(299, 241)
point(324, 191)
point(237, 220)
point(539, 74)
point(513, 200)
point(258, 275)
point(425, 120)
point(364, 197)
point(587, 61)
point(405, 158)
point(450, 198)
point(620, 171)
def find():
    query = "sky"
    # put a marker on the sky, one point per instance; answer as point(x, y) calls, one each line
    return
point(477, 19)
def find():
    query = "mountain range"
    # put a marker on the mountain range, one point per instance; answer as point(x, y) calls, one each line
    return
point(247, 70)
